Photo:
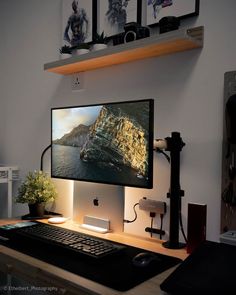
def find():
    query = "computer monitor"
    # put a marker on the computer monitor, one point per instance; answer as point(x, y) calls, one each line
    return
point(109, 143)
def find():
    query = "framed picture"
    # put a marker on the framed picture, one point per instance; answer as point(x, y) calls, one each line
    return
point(112, 15)
point(78, 24)
point(157, 9)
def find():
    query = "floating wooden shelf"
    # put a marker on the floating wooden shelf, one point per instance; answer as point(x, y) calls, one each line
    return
point(157, 45)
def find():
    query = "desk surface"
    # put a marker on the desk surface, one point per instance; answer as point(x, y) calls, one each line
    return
point(37, 271)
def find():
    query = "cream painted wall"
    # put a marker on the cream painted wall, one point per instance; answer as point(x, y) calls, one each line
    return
point(187, 88)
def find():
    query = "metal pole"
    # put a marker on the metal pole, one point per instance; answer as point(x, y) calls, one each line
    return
point(174, 145)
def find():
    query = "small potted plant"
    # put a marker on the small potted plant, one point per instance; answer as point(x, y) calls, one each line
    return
point(80, 49)
point(36, 190)
point(100, 41)
point(65, 51)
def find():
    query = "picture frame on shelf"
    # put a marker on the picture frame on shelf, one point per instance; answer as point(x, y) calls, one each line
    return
point(112, 15)
point(157, 9)
point(78, 21)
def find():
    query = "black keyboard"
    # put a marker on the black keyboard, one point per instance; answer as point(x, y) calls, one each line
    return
point(67, 239)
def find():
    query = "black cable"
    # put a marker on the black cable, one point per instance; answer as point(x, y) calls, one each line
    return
point(151, 226)
point(152, 215)
point(135, 215)
point(163, 153)
point(42, 155)
point(161, 227)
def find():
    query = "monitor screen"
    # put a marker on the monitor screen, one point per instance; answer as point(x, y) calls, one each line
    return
point(105, 143)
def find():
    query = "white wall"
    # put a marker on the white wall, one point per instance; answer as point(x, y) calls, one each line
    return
point(187, 87)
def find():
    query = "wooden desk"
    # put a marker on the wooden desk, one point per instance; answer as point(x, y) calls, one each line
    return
point(40, 273)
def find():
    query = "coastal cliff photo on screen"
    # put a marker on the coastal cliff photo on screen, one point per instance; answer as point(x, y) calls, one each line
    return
point(107, 143)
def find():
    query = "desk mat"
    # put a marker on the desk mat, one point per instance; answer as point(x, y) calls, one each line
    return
point(114, 271)
point(210, 269)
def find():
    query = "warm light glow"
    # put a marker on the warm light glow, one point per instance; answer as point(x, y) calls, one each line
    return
point(64, 201)
point(94, 228)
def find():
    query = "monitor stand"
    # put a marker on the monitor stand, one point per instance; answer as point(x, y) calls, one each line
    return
point(99, 202)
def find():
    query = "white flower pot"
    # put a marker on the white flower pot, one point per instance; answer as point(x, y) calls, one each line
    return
point(79, 51)
point(65, 55)
point(99, 46)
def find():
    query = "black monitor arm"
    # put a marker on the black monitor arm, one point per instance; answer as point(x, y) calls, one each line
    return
point(174, 145)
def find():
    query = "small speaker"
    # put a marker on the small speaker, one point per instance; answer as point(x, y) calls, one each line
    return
point(196, 227)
